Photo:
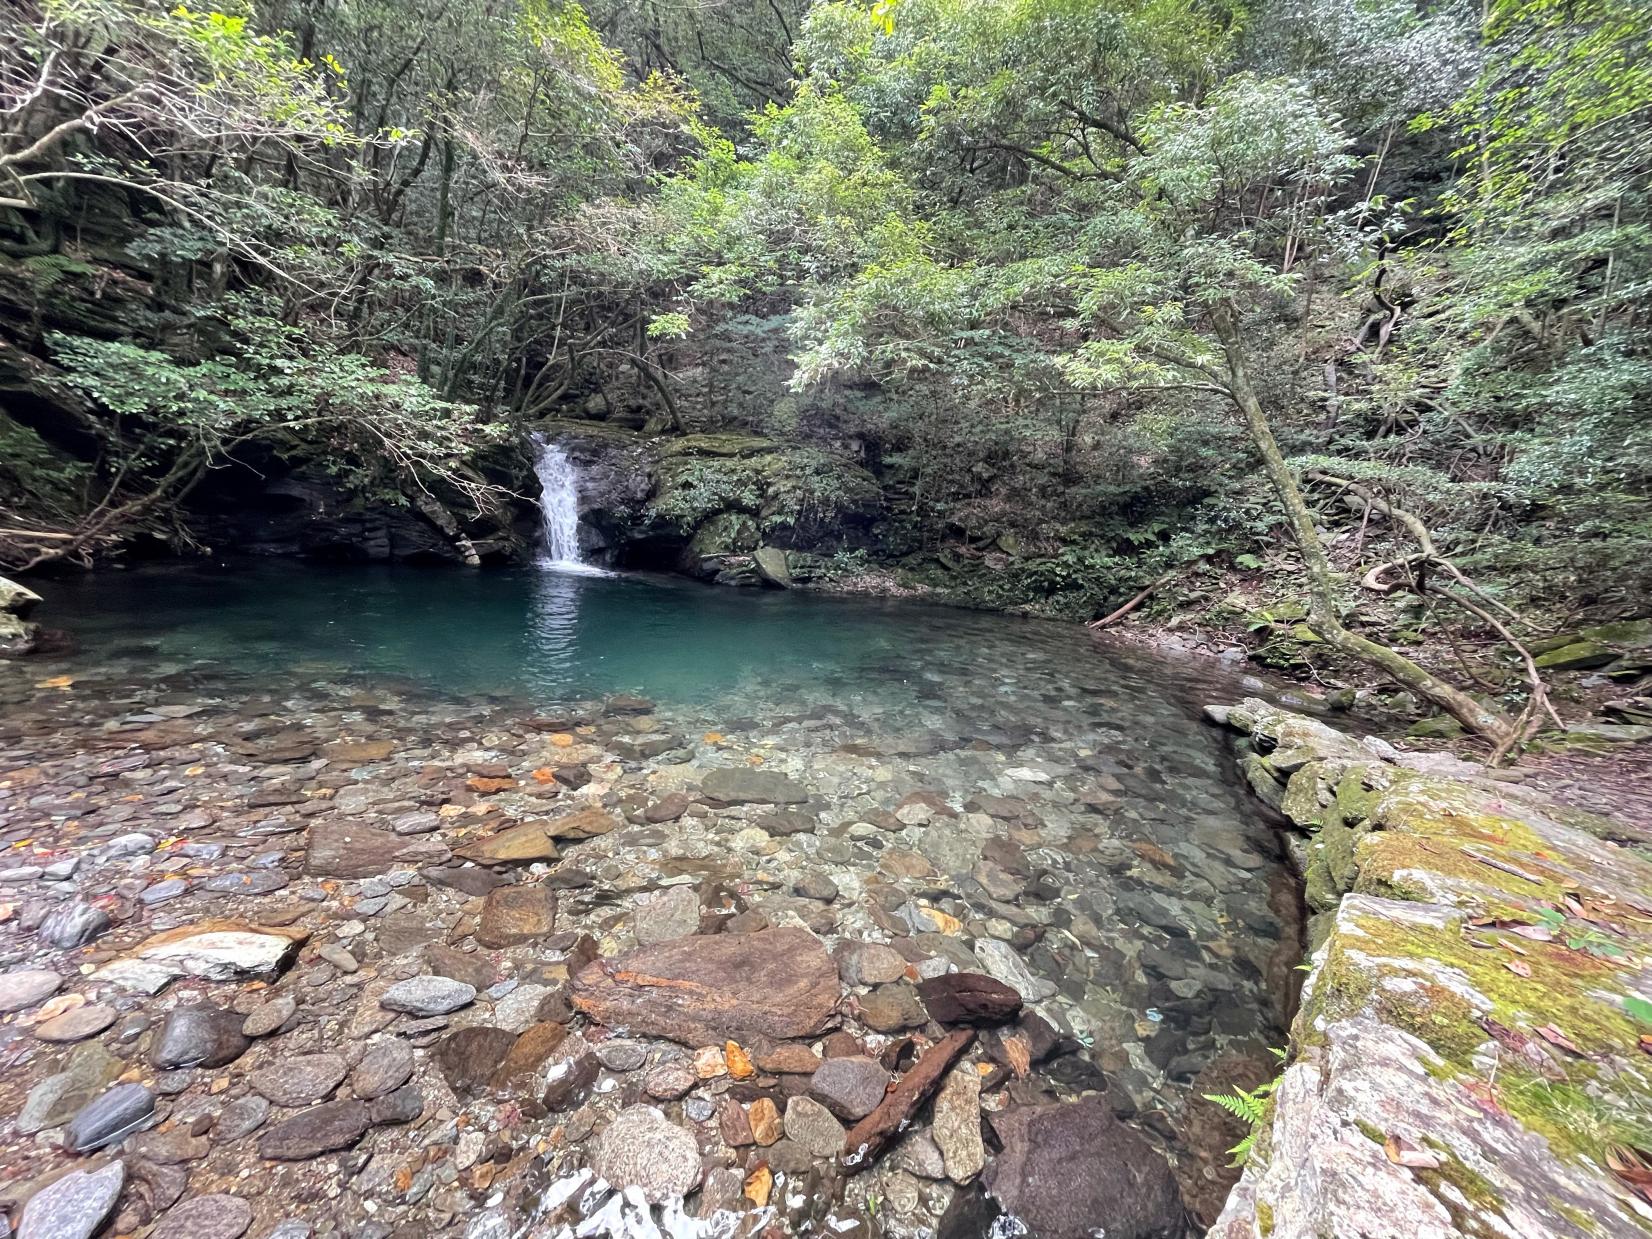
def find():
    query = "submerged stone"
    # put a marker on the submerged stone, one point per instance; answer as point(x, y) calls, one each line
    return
point(641, 1149)
point(1072, 1168)
point(775, 983)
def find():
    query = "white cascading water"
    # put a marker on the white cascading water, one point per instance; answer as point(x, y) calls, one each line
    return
point(559, 507)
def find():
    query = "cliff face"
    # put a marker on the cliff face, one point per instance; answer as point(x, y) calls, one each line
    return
point(1471, 1052)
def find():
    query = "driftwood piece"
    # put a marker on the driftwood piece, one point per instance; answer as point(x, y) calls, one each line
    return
point(869, 1137)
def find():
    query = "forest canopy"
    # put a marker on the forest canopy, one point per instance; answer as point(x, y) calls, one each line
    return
point(1332, 310)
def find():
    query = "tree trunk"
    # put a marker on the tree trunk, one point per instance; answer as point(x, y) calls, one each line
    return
point(1321, 587)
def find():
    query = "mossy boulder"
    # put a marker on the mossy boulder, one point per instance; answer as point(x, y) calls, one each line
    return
point(18, 635)
point(1440, 727)
point(1578, 656)
point(1467, 1048)
point(771, 565)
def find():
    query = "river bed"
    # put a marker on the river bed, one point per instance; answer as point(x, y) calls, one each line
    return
point(320, 749)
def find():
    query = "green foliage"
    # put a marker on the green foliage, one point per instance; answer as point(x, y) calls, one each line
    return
point(1250, 1107)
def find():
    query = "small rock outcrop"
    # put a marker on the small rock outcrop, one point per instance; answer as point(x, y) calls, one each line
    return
point(1472, 1040)
point(18, 634)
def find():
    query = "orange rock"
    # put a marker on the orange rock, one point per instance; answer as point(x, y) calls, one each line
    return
point(544, 775)
point(562, 740)
point(759, 1183)
point(764, 1117)
point(739, 1063)
point(713, 737)
point(1154, 853)
point(487, 787)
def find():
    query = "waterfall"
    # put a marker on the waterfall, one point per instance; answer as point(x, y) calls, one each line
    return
point(559, 508)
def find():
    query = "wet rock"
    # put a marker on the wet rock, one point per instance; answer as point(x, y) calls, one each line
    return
point(219, 1216)
point(1003, 963)
point(358, 752)
point(891, 1008)
point(667, 808)
point(152, 1188)
point(218, 950)
point(640, 1149)
point(240, 1118)
point(851, 1087)
point(770, 562)
point(417, 823)
point(763, 1116)
point(957, 1125)
point(869, 963)
point(569, 1078)
point(734, 1124)
point(474, 970)
point(919, 1155)
point(516, 914)
point(1070, 1168)
point(811, 1125)
point(787, 822)
point(533, 1046)
point(428, 995)
point(170, 1148)
point(343, 849)
point(703, 990)
point(669, 1081)
point(27, 987)
point(788, 1058)
point(76, 1024)
point(58, 1098)
point(299, 1080)
point(309, 1133)
point(969, 998)
point(386, 1064)
point(267, 1017)
point(404, 1105)
point(338, 956)
point(472, 880)
point(112, 1116)
point(160, 892)
point(522, 844)
point(75, 1206)
point(73, 924)
point(664, 915)
point(198, 1036)
point(584, 824)
point(469, 1057)
point(744, 785)
point(619, 1054)
point(816, 886)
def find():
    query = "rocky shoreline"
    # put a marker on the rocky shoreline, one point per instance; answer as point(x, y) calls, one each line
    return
point(341, 959)
point(1473, 1052)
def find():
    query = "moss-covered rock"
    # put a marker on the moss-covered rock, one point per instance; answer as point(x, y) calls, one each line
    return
point(1467, 1047)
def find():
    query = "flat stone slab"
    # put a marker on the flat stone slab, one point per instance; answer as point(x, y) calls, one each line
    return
point(27, 987)
point(218, 950)
point(339, 849)
point(775, 984)
point(74, 1206)
point(320, 1129)
point(743, 785)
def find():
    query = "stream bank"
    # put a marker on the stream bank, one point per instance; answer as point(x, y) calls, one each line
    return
point(355, 936)
point(1473, 1051)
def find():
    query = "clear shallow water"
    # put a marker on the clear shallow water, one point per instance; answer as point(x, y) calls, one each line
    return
point(551, 636)
point(1094, 832)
